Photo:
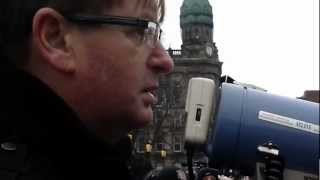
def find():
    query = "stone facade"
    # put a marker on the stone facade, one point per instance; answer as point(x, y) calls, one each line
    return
point(311, 95)
point(198, 57)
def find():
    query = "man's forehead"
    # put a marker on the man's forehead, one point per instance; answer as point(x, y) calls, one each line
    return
point(150, 8)
point(152, 4)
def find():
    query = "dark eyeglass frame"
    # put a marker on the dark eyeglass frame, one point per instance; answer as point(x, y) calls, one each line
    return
point(152, 30)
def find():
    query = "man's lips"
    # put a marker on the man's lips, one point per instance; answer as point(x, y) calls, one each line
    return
point(151, 97)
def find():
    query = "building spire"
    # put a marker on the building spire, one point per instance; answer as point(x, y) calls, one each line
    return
point(196, 22)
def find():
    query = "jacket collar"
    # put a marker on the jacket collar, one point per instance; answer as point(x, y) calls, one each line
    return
point(40, 118)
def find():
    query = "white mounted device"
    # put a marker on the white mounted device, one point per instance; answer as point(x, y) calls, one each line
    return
point(199, 108)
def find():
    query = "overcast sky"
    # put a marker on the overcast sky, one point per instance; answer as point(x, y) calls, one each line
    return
point(273, 44)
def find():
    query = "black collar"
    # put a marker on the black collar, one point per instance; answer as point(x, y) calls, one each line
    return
point(42, 119)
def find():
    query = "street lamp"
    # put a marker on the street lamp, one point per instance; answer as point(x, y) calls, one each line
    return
point(130, 136)
point(148, 149)
point(163, 154)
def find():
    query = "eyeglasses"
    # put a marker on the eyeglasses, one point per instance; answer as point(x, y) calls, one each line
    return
point(152, 31)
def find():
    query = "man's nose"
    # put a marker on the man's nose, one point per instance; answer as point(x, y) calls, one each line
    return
point(160, 61)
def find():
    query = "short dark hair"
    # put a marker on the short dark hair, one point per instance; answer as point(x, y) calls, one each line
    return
point(16, 18)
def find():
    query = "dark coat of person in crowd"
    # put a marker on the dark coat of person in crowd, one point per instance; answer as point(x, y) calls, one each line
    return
point(167, 173)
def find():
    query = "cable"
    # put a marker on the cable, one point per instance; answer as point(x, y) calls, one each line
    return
point(190, 152)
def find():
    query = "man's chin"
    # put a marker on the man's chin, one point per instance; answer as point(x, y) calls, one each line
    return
point(142, 120)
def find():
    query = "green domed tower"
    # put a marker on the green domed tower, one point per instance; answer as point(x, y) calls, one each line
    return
point(196, 22)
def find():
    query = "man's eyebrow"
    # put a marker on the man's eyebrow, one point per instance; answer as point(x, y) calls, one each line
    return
point(149, 16)
point(149, 7)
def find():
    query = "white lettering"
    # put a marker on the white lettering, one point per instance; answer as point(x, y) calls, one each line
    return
point(289, 122)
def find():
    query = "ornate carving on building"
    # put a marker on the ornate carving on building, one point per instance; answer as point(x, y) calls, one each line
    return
point(198, 57)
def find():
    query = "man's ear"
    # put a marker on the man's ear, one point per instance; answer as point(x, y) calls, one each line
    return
point(51, 38)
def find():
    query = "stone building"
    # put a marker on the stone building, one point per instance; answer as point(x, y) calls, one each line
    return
point(198, 57)
point(311, 95)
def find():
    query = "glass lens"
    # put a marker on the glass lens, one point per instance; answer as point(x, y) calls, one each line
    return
point(153, 33)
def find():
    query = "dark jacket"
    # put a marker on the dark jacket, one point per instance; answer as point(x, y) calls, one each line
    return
point(42, 139)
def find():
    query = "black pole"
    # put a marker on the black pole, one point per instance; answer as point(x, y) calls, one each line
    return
point(190, 163)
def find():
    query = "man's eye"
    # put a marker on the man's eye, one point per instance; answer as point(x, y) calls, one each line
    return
point(140, 32)
point(136, 34)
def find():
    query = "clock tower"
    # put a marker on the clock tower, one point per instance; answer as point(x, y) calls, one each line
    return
point(196, 22)
point(198, 57)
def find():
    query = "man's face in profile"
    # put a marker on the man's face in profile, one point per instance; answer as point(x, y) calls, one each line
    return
point(117, 71)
